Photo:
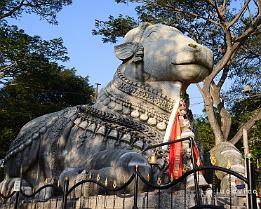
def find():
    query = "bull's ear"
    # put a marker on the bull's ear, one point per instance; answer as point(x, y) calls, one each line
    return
point(124, 51)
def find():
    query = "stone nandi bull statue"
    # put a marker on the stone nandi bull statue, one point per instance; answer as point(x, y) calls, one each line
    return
point(132, 112)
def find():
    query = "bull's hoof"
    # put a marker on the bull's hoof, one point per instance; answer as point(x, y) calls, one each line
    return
point(7, 185)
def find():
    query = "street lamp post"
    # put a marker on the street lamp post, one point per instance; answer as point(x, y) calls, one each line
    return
point(97, 90)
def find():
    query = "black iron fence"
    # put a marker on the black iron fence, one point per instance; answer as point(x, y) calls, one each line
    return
point(163, 191)
point(94, 192)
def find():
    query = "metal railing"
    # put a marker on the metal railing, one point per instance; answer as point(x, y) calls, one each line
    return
point(136, 178)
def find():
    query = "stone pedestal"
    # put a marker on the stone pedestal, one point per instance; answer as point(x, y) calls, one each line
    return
point(150, 200)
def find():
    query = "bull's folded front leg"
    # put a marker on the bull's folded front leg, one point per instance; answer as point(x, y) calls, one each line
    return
point(119, 165)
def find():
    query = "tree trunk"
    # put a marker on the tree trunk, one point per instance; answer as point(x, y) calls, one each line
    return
point(211, 116)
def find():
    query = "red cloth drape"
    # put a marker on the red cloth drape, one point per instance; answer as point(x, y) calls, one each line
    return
point(175, 155)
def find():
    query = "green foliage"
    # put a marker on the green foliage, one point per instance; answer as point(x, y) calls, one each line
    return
point(242, 111)
point(18, 48)
point(113, 28)
point(6, 136)
point(35, 85)
point(31, 82)
point(204, 133)
point(243, 108)
point(46, 9)
point(246, 71)
point(255, 141)
point(46, 88)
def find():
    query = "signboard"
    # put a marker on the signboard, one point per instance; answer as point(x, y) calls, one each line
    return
point(17, 185)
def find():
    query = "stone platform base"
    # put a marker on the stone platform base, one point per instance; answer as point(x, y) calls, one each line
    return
point(151, 200)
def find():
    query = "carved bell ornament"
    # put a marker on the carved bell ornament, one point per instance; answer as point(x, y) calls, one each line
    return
point(152, 121)
point(144, 117)
point(98, 177)
point(135, 114)
point(162, 126)
point(114, 185)
point(201, 181)
point(153, 159)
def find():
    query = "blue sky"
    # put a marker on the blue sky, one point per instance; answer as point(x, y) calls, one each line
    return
point(87, 53)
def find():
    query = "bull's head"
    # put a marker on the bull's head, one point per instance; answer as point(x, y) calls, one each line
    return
point(156, 53)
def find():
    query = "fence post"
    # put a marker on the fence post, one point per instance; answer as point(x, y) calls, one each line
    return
point(135, 206)
point(17, 189)
point(16, 200)
point(65, 190)
point(251, 193)
point(195, 173)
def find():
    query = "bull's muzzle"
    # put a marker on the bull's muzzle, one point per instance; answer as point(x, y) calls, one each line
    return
point(194, 53)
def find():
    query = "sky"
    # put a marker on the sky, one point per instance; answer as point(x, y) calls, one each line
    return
point(88, 55)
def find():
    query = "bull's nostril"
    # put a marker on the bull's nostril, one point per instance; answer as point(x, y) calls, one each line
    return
point(193, 45)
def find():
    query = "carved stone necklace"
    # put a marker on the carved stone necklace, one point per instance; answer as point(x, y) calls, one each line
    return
point(142, 91)
point(137, 100)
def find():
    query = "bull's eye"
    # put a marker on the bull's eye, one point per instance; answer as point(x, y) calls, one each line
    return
point(152, 34)
point(193, 46)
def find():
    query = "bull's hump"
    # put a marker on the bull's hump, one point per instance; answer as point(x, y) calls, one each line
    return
point(33, 130)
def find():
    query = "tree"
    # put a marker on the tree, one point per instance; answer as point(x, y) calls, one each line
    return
point(204, 133)
point(230, 28)
point(18, 48)
point(31, 81)
point(46, 9)
point(35, 84)
point(242, 110)
point(44, 89)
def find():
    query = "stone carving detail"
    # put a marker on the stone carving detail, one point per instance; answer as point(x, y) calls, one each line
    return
point(228, 156)
point(130, 114)
point(143, 92)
